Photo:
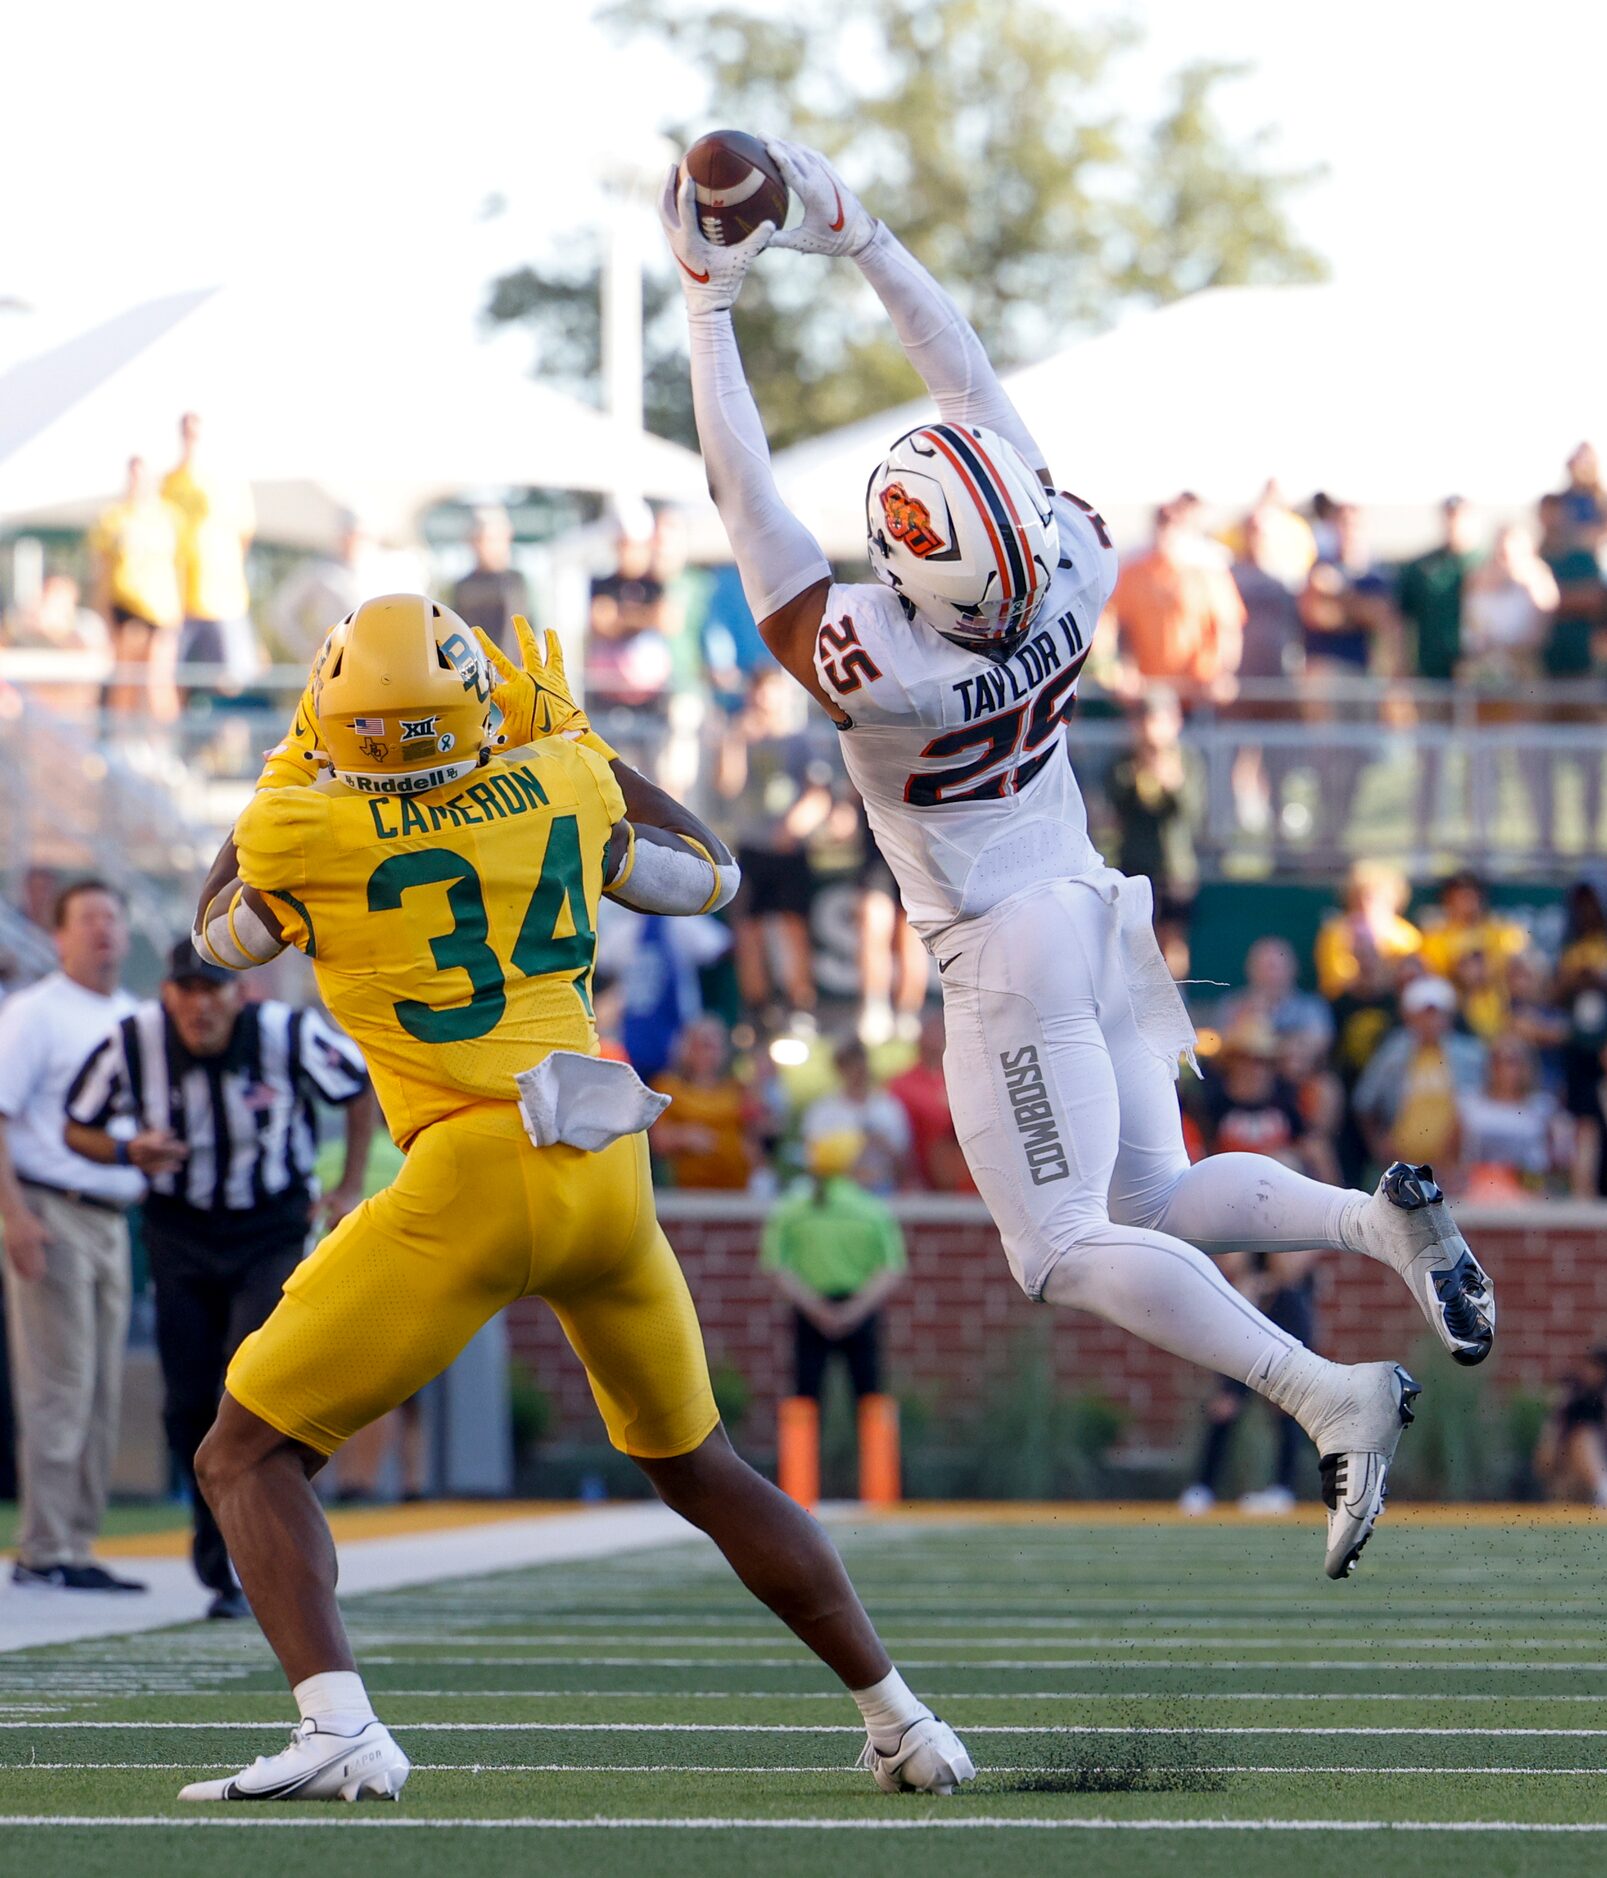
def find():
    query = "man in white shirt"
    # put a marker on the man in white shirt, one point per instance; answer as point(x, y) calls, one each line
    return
point(66, 1247)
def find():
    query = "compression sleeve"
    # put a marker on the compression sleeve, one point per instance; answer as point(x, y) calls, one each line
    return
point(776, 555)
point(938, 341)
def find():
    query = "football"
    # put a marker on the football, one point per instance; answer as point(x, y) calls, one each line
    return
point(737, 185)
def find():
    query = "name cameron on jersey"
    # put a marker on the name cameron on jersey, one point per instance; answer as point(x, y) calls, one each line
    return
point(496, 797)
point(1018, 676)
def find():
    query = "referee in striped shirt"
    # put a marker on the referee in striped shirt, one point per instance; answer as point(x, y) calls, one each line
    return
point(222, 1097)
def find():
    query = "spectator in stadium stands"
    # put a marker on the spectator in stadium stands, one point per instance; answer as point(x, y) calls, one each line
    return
point(1535, 1015)
point(1246, 1107)
point(707, 1137)
point(1351, 627)
point(1148, 792)
point(1507, 606)
point(924, 1097)
point(1587, 1105)
point(659, 963)
point(1462, 922)
point(55, 621)
point(1371, 926)
point(1581, 990)
point(1429, 595)
point(323, 590)
point(1573, 656)
point(1408, 1096)
point(1481, 995)
point(216, 523)
point(135, 546)
point(1514, 1133)
point(857, 1107)
point(1285, 546)
point(627, 650)
point(778, 792)
point(494, 590)
point(1272, 652)
point(1282, 1286)
point(221, 1095)
point(1572, 1456)
point(894, 967)
point(1584, 500)
point(1272, 994)
point(1319, 1096)
point(835, 1253)
point(1178, 616)
point(66, 1247)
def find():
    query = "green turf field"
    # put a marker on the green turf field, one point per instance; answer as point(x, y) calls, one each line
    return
point(1112, 1681)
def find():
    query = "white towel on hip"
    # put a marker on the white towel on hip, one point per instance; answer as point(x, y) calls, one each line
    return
point(585, 1102)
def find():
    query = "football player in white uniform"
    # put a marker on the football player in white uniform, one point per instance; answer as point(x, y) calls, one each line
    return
point(951, 681)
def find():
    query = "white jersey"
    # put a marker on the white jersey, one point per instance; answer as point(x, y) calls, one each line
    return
point(961, 759)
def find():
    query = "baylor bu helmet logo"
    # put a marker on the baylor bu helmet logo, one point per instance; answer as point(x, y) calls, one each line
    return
point(909, 520)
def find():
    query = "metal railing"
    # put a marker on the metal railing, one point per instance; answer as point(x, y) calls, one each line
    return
point(1285, 776)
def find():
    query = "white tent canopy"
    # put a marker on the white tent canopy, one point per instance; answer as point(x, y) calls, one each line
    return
point(1393, 403)
point(323, 402)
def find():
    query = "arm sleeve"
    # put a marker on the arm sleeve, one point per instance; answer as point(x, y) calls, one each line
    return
point(329, 1060)
point(776, 555)
point(100, 1090)
point(938, 341)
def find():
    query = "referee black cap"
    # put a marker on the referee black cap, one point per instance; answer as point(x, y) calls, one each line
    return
point(185, 965)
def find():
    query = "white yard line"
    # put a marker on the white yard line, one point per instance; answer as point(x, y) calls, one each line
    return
point(685, 1767)
point(818, 1728)
point(347, 1821)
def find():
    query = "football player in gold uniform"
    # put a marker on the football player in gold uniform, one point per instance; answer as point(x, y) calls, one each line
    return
point(447, 897)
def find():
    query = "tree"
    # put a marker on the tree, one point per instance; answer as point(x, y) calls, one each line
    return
point(982, 131)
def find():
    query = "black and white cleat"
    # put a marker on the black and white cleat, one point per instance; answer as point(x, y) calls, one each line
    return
point(1357, 1438)
point(1406, 1223)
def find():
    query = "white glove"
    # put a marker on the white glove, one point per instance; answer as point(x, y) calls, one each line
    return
point(835, 221)
point(711, 276)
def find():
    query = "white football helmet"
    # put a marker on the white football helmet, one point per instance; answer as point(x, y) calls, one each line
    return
point(964, 533)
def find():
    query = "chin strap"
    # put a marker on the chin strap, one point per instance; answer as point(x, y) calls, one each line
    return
point(235, 936)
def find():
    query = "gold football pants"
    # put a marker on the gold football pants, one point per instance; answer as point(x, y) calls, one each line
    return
point(476, 1218)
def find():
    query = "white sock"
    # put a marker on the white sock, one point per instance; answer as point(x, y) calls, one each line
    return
point(889, 1706)
point(336, 1700)
point(1291, 1381)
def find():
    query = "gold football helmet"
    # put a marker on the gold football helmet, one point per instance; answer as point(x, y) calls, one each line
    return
point(402, 693)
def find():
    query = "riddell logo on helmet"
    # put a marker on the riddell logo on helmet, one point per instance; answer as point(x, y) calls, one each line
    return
point(909, 520)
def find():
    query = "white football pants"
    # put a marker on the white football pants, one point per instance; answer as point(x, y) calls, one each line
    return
point(1070, 1124)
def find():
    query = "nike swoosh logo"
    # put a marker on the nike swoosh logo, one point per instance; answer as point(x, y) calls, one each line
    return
point(701, 279)
point(835, 226)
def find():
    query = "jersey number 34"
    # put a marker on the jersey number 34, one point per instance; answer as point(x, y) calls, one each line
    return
point(539, 951)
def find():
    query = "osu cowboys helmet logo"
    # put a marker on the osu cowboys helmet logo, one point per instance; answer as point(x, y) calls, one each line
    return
point(909, 520)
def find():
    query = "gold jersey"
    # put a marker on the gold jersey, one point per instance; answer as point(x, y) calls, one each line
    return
point(453, 933)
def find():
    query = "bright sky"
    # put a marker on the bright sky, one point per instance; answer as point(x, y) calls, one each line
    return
point(345, 143)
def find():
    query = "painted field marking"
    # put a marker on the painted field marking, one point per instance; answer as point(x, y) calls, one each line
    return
point(816, 1728)
point(975, 1822)
point(846, 1770)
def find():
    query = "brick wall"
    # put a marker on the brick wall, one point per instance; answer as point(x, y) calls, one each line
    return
point(959, 1323)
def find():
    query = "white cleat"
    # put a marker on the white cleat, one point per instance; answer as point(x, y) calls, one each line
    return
point(1196, 1501)
point(365, 1766)
point(1406, 1223)
point(1357, 1425)
point(929, 1757)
